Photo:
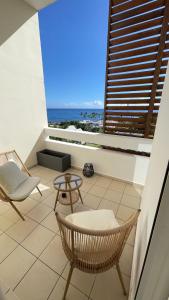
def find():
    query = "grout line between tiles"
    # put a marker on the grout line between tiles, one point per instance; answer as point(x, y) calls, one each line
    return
point(10, 252)
point(92, 286)
point(73, 285)
point(58, 279)
point(42, 219)
point(37, 224)
point(120, 201)
point(37, 258)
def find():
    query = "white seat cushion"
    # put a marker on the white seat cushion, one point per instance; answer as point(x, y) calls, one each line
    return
point(102, 219)
point(25, 189)
point(11, 177)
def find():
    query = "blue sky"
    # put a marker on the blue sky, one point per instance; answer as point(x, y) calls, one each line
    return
point(73, 37)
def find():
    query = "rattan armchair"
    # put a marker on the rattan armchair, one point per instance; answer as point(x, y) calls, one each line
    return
point(94, 251)
point(23, 190)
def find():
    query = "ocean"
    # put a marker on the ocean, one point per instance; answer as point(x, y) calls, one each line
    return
point(68, 114)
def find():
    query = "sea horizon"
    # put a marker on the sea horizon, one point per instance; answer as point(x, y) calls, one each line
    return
point(73, 114)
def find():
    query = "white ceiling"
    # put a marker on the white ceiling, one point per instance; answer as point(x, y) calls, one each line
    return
point(39, 4)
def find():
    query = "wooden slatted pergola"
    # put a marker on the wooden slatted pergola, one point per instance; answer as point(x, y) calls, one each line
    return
point(137, 58)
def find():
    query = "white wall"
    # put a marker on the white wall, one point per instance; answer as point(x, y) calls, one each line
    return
point(22, 97)
point(39, 4)
point(124, 142)
point(155, 177)
point(154, 283)
point(123, 166)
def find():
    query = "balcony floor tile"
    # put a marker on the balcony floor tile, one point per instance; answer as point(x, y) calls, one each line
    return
point(14, 267)
point(107, 286)
point(37, 284)
point(7, 245)
point(73, 293)
point(82, 281)
point(20, 230)
point(53, 255)
point(50, 222)
point(40, 212)
point(36, 242)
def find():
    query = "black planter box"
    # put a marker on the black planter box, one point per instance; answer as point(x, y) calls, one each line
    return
point(54, 160)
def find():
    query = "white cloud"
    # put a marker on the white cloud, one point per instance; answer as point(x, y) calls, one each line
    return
point(94, 104)
point(85, 104)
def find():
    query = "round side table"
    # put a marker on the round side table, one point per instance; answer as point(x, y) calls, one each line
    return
point(67, 186)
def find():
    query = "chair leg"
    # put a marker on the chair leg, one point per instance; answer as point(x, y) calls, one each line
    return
point(68, 282)
point(71, 204)
point(80, 196)
point(121, 279)
point(39, 191)
point(57, 196)
point(17, 211)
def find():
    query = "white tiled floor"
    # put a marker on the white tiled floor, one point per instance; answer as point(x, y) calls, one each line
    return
point(32, 262)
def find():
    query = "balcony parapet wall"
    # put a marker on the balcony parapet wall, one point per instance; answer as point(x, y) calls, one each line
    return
point(127, 167)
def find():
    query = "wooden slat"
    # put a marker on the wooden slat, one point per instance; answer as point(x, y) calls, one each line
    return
point(131, 68)
point(137, 19)
point(133, 59)
point(126, 5)
point(136, 27)
point(116, 2)
point(107, 58)
point(139, 59)
point(135, 67)
point(134, 101)
point(135, 51)
point(141, 35)
point(141, 73)
point(125, 134)
point(132, 108)
point(130, 118)
point(136, 11)
point(133, 125)
point(163, 38)
point(127, 113)
point(125, 130)
point(135, 81)
point(134, 44)
point(125, 119)
point(132, 95)
point(131, 88)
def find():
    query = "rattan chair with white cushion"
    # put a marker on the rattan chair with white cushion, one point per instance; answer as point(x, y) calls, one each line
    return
point(16, 184)
point(93, 241)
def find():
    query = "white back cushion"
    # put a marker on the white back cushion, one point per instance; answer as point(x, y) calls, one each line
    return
point(11, 176)
point(102, 219)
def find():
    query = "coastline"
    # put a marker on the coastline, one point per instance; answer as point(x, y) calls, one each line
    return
point(85, 115)
point(76, 119)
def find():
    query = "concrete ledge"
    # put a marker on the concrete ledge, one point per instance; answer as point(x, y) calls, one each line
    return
point(123, 166)
point(124, 142)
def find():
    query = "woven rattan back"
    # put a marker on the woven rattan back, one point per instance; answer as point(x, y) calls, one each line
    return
point(94, 251)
